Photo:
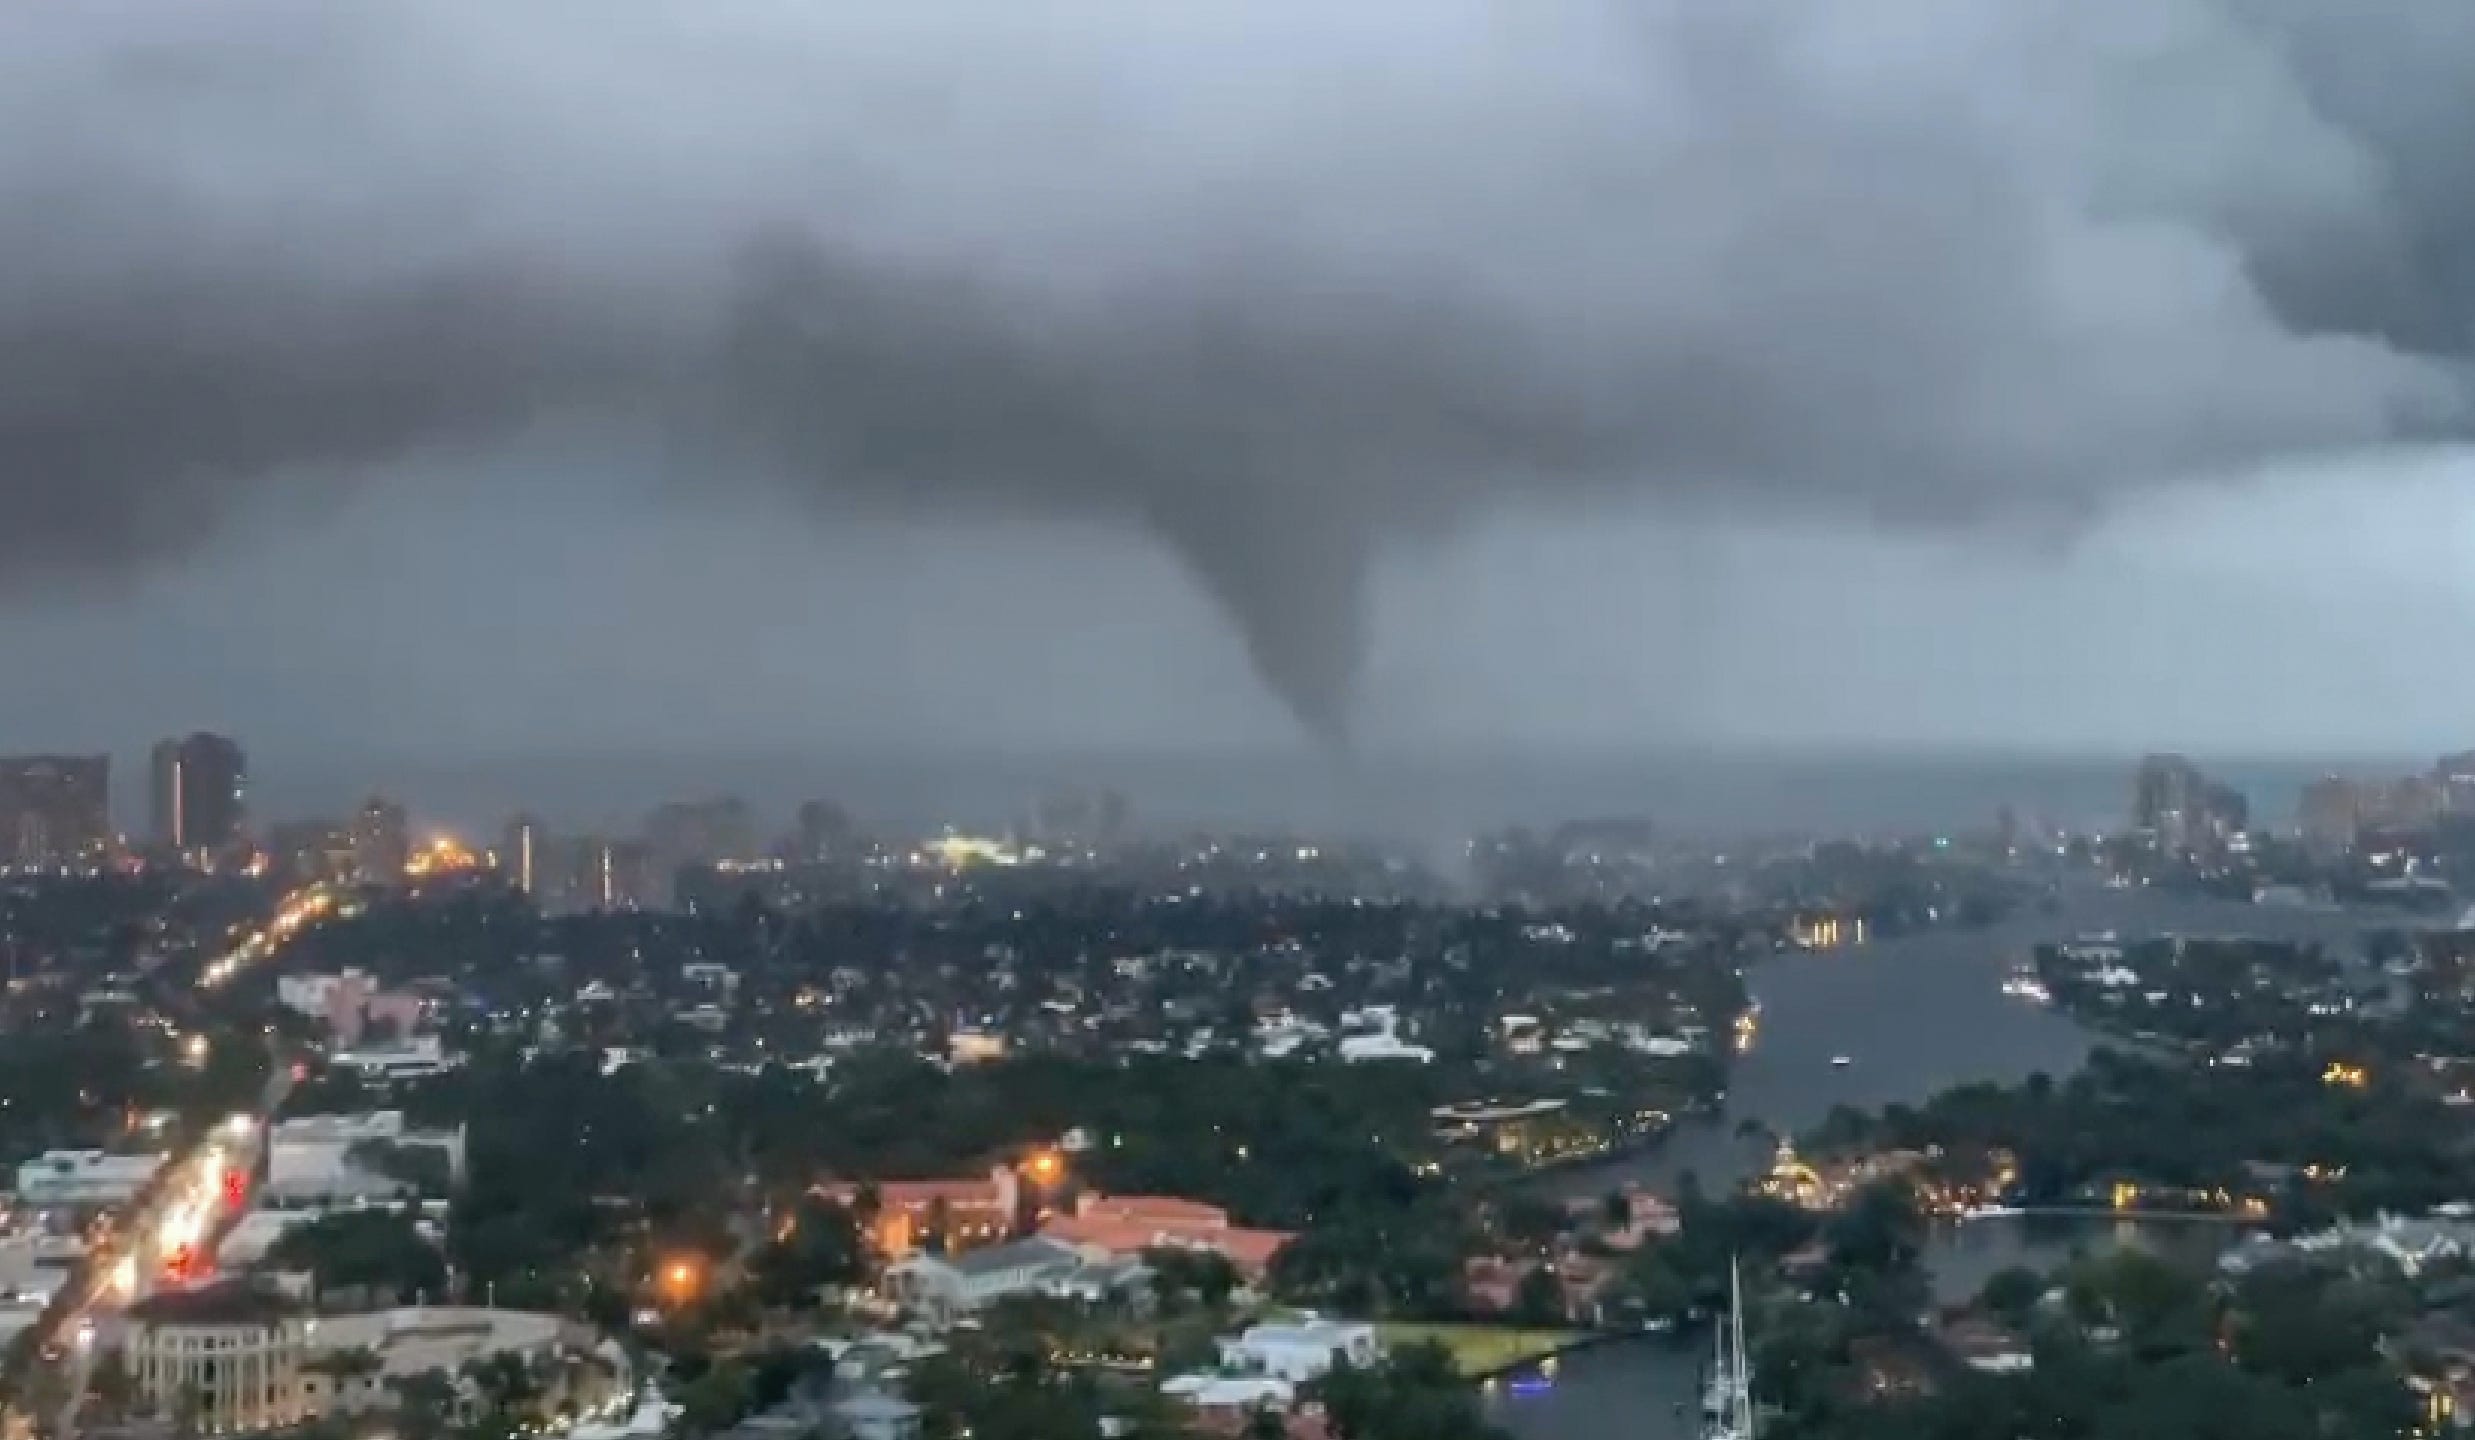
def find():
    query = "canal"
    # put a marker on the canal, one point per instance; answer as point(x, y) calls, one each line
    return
point(1913, 1016)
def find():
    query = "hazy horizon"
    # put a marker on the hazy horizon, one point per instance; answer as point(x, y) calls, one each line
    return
point(1435, 800)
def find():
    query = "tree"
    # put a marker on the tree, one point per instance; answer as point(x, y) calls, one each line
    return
point(1539, 1299)
point(1880, 1230)
point(423, 1169)
point(114, 1388)
point(425, 1405)
point(506, 1380)
point(820, 1246)
point(369, 1250)
point(2013, 1293)
point(1182, 1275)
point(1651, 1287)
point(1412, 1394)
point(716, 1399)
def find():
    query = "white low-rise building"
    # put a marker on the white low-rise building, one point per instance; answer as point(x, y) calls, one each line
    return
point(1383, 1045)
point(247, 1242)
point(944, 1287)
point(83, 1177)
point(246, 1358)
point(1231, 1392)
point(397, 1060)
point(1302, 1350)
point(311, 1159)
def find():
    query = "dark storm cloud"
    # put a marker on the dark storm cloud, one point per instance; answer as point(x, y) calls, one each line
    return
point(1277, 282)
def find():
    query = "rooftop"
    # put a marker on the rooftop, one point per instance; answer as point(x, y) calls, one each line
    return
point(226, 1302)
point(1013, 1256)
point(875, 1407)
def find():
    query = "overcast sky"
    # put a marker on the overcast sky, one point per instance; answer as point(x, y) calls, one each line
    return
point(463, 377)
point(2293, 616)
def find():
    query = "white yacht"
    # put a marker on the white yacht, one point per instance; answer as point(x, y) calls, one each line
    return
point(2025, 985)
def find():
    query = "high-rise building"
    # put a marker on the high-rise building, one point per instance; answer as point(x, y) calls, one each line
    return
point(2330, 813)
point(2455, 776)
point(523, 856)
point(625, 877)
point(1080, 818)
point(2163, 794)
point(578, 874)
point(199, 793)
point(55, 810)
point(381, 840)
point(311, 850)
point(683, 834)
point(2183, 811)
point(825, 833)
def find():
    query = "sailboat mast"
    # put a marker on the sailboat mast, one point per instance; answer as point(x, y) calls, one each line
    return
point(1743, 1386)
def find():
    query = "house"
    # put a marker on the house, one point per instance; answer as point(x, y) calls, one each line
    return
point(1242, 1394)
point(1645, 1217)
point(1982, 1345)
point(1124, 1226)
point(2411, 1245)
point(1301, 1351)
point(946, 1287)
point(332, 1159)
point(396, 1060)
point(1886, 1369)
point(961, 1213)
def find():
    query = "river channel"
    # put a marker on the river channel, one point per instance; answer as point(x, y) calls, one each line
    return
point(1913, 1016)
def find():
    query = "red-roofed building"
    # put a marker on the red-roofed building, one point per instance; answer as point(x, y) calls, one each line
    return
point(1125, 1225)
point(969, 1213)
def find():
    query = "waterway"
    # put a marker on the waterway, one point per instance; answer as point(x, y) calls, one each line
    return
point(1913, 1016)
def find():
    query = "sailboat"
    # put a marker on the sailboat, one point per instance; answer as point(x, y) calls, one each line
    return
point(1727, 1402)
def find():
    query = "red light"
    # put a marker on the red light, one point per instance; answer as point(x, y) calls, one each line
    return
point(235, 1188)
point(300, 1072)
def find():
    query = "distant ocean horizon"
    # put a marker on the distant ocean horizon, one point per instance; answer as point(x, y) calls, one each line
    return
point(1433, 799)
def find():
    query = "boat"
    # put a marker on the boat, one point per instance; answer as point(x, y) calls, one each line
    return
point(1727, 1402)
point(1841, 1061)
point(2025, 985)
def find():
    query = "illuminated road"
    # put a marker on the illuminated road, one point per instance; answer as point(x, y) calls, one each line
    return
point(180, 1215)
point(198, 1195)
point(302, 907)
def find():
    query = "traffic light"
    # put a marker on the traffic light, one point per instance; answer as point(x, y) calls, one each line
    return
point(235, 1188)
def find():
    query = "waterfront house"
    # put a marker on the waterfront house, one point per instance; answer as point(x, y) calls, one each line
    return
point(1300, 1351)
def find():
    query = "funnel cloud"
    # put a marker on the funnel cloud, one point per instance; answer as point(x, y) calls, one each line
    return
point(1278, 283)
